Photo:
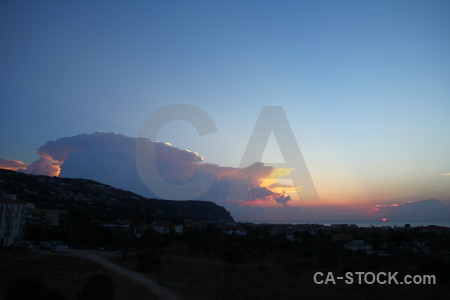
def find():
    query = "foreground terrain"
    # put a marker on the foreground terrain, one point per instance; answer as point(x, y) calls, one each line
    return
point(64, 273)
point(273, 274)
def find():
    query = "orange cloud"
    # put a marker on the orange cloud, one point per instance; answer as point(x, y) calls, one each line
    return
point(44, 166)
point(260, 203)
point(430, 209)
point(377, 208)
point(13, 165)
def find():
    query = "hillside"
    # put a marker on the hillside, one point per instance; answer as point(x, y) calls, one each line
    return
point(103, 201)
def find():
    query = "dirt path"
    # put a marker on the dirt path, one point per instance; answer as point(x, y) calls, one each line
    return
point(150, 284)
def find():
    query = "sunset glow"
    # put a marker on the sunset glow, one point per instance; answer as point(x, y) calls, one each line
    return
point(13, 165)
point(361, 87)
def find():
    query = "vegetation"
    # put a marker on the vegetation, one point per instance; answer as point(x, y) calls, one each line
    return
point(98, 287)
point(148, 260)
point(32, 287)
point(88, 200)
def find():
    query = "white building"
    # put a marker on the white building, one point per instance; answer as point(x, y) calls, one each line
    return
point(166, 228)
point(238, 232)
point(178, 229)
point(292, 237)
point(162, 227)
point(356, 245)
point(12, 220)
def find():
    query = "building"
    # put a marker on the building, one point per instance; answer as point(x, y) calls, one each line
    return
point(45, 218)
point(341, 237)
point(178, 229)
point(358, 245)
point(166, 228)
point(162, 227)
point(12, 220)
point(293, 237)
point(238, 232)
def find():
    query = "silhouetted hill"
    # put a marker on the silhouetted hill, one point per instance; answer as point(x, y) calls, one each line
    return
point(104, 201)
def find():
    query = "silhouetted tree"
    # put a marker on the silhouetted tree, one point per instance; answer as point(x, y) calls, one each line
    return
point(234, 255)
point(148, 260)
point(152, 239)
point(98, 287)
point(123, 242)
point(327, 257)
point(32, 287)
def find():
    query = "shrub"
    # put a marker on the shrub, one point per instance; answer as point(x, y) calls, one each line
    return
point(234, 255)
point(148, 260)
point(98, 287)
point(32, 287)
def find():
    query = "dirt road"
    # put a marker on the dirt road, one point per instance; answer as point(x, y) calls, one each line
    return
point(150, 284)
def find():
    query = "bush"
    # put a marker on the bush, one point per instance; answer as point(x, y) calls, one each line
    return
point(327, 257)
point(152, 239)
point(234, 255)
point(32, 287)
point(98, 287)
point(148, 260)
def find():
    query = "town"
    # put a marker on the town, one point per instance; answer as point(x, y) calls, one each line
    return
point(196, 248)
point(22, 223)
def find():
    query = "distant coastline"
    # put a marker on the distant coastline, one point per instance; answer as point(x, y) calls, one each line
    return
point(360, 223)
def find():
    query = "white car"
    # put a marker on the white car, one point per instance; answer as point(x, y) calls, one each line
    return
point(61, 249)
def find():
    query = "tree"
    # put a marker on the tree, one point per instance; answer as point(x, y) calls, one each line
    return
point(148, 260)
point(152, 239)
point(98, 287)
point(32, 287)
point(123, 242)
point(234, 255)
point(327, 257)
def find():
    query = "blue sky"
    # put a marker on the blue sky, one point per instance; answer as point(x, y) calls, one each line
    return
point(364, 84)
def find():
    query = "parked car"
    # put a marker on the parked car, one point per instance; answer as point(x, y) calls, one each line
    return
point(61, 249)
point(25, 245)
point(46, 246)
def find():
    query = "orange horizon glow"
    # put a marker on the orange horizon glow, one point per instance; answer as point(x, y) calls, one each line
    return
point(268, 202)
point(55, 165)
point(9, 165)
point(10, 168)
point(57, 171)
point(374, 209)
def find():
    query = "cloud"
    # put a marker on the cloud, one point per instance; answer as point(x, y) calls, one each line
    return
point(14, 165)
point(43, 166)
point(110, 158)
point(250, 193)
point(246, 186)
point(446, 174)
point(259, 193)
point(424, 210)
point(282, 199)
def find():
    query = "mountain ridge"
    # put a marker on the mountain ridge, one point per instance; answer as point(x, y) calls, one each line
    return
point(105, 201)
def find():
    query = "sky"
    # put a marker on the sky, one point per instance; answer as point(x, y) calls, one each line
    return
point(364, 84)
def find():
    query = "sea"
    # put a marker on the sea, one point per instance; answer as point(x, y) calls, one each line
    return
point(373, 223)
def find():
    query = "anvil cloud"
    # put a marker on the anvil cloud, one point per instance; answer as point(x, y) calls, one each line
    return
point(110, 158)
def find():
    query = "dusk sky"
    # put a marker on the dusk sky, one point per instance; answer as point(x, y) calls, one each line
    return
point(364, 84)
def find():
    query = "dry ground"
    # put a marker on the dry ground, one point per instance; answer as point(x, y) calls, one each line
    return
point(275, 277)
point(195, 276)
point(63, 272)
